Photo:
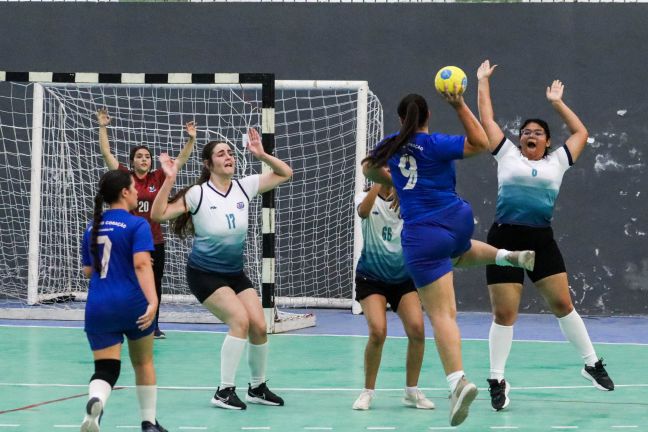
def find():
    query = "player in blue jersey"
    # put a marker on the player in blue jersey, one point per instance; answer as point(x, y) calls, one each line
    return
point(437, 223)
point(116, 256)
point(529, 179)
point(381, 278)
point(215, 211)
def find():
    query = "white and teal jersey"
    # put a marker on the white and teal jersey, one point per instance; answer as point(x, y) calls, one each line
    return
point(527, 189)
point(220, 224)
point(382, 253)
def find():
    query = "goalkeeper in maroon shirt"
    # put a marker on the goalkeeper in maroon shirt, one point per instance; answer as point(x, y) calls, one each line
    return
point(147, 182)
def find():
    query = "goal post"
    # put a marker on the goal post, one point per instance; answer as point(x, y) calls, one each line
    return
point(302, 244)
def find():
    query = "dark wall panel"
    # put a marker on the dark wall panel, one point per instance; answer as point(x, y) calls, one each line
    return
point(597, 50)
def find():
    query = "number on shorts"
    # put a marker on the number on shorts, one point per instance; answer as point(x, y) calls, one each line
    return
point(407, 165)
point(105, 257)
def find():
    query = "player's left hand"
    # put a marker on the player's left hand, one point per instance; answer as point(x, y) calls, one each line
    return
point(555, 91)
point(147, 319)
point(254, 144)
point(168, 165)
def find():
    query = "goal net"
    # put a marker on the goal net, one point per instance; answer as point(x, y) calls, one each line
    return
point(322, 130)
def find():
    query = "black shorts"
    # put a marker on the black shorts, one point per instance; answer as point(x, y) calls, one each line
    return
point(548, 260)
point(203, 284)
point(392, 292)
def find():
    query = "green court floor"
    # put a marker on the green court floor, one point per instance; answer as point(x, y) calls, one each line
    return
point(45, 372)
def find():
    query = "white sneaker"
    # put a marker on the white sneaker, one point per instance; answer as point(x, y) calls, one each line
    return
point(364, 401)
point(417, 400)
point(524, 259)
point(460, 401)
point(94, 408)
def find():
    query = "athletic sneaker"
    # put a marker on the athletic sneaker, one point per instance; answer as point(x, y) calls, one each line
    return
point(364, 401)
point(524, 259)
point(263, 396)
point(417, 400)
point(598, 375)
point(460, 401)
point(159, 334)
point(94, 409)
point(227, 398)
point(147, 426)
point(499, 391)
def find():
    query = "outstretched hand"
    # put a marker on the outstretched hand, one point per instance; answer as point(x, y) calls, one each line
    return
point(485, 70)
point(555, 91)
point(102, 117)
point(254, 144)
point(168, 165)
point(190, 127)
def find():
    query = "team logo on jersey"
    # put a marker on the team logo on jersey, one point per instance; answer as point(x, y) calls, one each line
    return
point(240, 205)
point(152, 188)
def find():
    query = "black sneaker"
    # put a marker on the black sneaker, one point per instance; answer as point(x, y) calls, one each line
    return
point(598, 375)
point(262, 395)
point(147, 426)
point(159, 334)
point(499, 391)
point(227, 398)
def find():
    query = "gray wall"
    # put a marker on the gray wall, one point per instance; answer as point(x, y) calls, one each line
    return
point(597, 50)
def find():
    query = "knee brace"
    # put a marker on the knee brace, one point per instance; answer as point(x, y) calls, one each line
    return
point(107, 370)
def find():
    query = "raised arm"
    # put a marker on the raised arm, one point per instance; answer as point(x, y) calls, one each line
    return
point(578, 139)
point(280, 173)
point(184, 154)
point(162, 210)
point(104, 144)
point(364, 209)
point(476, 140)
point(485, 106)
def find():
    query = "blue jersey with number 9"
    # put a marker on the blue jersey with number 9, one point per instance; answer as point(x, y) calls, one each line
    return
point(423, 174)
point(115, 292)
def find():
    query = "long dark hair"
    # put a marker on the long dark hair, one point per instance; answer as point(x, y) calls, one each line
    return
point(183, 226)
point(413, 112)
point(110, 186)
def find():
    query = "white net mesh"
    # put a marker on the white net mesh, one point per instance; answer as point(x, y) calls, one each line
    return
point(315, 133)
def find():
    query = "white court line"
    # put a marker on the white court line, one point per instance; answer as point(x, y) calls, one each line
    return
point(624, 426)
point(319, 389)
point(442, 428)
point(127, 427)
point(318, 428)
point(564, 427)
point(255, 427)
point(504, 427)
point(76, 426)
point(338, 335)
point(192, 427)
point(381, 428)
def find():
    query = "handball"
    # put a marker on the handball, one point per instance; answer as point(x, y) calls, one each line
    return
point(452, 77)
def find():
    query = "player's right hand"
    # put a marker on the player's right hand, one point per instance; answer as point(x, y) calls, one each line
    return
point(145, 321)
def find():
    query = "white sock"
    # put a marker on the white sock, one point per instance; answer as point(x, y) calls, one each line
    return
point(147, 397)
point(257, 360)
point(500, 339)
point(100, 389)
point(231, 353)
point(453, 379)
point(371, 392)
point(500, 258)
point(573, 328)
point(411, 390)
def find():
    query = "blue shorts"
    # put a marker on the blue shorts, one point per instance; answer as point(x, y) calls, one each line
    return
point(106, 322)
point(430, 244)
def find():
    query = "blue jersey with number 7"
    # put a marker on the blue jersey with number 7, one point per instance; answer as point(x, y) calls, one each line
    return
point(423, 174)
point(115, 288)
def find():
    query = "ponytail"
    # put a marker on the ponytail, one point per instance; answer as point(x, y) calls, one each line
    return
point(413, 112)
point(96, 221)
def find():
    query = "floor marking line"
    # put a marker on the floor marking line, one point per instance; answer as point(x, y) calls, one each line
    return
point(26, 407)
point(317, 428)
point(504, 427)
point(192, 427)
point(625, 426)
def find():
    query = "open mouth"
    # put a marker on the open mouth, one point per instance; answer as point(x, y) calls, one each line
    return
point(531, 145)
